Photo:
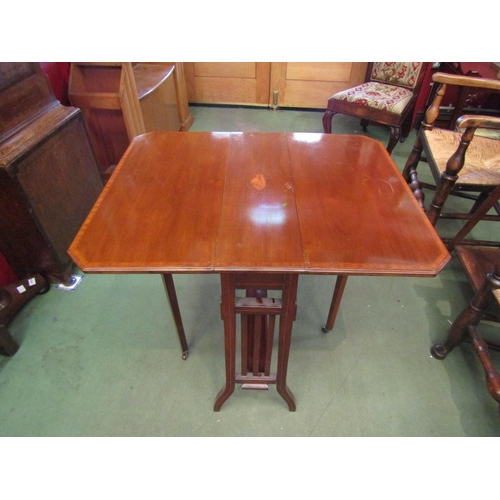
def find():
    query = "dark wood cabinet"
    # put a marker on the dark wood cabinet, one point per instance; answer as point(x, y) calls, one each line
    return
point(49, 179)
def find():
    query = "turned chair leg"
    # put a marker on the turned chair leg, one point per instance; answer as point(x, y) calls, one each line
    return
point(470, 316)
point(413, 160)
point(327, 121)
point(393, 139)
point(410, 172)
point(492, 377)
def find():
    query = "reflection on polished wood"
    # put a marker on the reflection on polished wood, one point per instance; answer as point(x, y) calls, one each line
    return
point(333, 204)
point(257, 205)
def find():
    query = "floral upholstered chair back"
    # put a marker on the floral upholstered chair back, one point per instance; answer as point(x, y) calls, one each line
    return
point(402, 74)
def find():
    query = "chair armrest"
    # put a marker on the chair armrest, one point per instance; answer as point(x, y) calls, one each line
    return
point(478, 121)
point(466, 81)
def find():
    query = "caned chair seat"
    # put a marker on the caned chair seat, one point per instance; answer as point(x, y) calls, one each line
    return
point(464, 162)
point(378, 96)
point(482, 161)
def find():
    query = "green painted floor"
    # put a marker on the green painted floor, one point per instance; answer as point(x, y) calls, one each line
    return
point(104, 360)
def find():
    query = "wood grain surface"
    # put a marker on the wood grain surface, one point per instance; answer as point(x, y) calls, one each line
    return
point(263, 202)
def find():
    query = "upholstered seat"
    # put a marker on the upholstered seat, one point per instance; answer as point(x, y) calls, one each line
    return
point(377, 95)
point(387, 97)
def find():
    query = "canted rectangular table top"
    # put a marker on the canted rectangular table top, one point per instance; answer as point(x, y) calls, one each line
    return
point(270, 202)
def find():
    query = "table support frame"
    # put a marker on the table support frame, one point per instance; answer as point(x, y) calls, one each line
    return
point(254, 310)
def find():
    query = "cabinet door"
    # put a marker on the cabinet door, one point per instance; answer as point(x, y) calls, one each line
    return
point(310, 85)
point(61, 181)
point(228, 83)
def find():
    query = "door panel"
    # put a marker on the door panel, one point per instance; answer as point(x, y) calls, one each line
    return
point(319, 71)
point(300, 85)
point(228, 83)
point(310, 85)
point(229, 70)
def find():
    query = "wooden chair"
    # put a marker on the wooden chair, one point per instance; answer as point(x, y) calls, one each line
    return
point(388, 97)
point(454, 171)
point(482, 267)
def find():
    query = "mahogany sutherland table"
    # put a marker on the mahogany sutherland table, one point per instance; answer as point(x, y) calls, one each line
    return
point(259, 209)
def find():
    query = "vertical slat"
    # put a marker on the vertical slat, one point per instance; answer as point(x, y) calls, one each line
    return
point(269, 343)
point(257, 332)
point(244, 344)
point(182, 98)
point(130, 103)
point(229, 316)
point(285, 337)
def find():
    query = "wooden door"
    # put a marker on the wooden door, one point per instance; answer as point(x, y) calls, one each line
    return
point(228, 83)
point(288, 84)
point(309, 85)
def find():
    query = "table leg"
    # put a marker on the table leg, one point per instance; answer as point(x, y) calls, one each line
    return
point(168, 282)
point(229, 318)
point(337, 297)
point(285, 337)
point(258, 313)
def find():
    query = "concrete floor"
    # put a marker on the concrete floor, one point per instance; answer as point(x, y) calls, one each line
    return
point(104, 360)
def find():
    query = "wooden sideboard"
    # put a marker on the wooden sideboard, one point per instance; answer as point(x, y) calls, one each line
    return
point(120, 101)
point(49, 178)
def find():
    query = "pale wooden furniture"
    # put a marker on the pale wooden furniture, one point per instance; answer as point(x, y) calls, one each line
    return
point(270, 84)
point(388, 96)
point(309, 84)
point(461, 161)
point(259, 209)
point(120, 101)
point(228, 83)
point(49, 178)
